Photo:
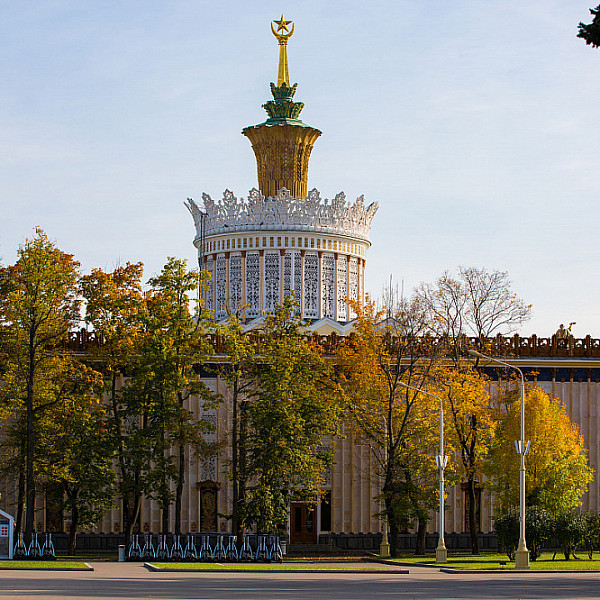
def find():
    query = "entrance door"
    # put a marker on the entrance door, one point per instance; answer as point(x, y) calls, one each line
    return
point(303, 523)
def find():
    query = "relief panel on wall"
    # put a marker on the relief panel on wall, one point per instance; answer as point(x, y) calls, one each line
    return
point(311, 285)
point(221, 287)
point(272, 279)
point(353, 282)
point(208, 293)
point(328, 286)
point(292, 277)
point(253, 284)
point(235, 281)
point(342, 292)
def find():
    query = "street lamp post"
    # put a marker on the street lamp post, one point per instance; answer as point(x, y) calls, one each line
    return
point(522, 553)
point(384, 547)
point(441, 553)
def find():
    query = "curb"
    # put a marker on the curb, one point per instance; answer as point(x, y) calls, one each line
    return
point(26, 568)
point(156, 569)
point(394, 563)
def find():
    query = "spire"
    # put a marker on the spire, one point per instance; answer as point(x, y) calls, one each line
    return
point(282, 106)
point(283, 143)
point(283, 75)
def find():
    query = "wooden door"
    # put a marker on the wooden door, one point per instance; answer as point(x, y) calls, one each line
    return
point(303, 523)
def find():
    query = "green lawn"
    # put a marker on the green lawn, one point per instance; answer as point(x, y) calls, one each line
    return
point(272, 566)
point(42, 564)
point(493, 561)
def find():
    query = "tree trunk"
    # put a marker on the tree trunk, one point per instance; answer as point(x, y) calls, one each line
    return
point(235, 526)
point(393, 538)
point(421, 537)
point(20, 500)
point(29, 481)
point(180, 474)
point(472, 514)
point(179, 489)
point(131, 514)
point(165, 518)
point(73, 528)
point(241, 491)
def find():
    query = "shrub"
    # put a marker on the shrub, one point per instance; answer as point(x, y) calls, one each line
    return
point(569, 531)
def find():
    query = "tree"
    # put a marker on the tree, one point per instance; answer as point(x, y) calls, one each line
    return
point(377, 364)
point(478, 303)
point(472, 422)
point(172, 348)
point(557, 472)
point(290, 409)
point(114, 308)
point(79, 457)
point(38, 309)
point(240, 350)
point(591, 32)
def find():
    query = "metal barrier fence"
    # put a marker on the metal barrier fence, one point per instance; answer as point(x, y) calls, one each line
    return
point(204, 548)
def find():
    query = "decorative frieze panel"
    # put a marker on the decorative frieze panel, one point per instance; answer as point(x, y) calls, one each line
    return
point(272, 280)
point(221, 287)
point(292, 277)
point(342, 292)
point(311, 285)
point(352, 282)
point(328, 286)
point(253, 284)
point(283, 213)
point(287, 274)
point(208, 293)
point(297, 279)
point(235, 281)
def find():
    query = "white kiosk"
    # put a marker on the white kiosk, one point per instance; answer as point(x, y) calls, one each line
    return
point(7, 530)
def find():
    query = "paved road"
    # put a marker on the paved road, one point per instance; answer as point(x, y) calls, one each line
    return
point(133, 581)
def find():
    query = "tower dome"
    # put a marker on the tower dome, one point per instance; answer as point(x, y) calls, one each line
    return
point(282, 240)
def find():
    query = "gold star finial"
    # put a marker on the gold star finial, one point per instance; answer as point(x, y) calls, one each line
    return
point(282, 25)
point(283, 34)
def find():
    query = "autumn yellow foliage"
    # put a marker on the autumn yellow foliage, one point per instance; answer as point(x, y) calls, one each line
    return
point(557, 469)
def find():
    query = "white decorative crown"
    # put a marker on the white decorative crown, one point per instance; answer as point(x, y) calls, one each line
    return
point(283, 213)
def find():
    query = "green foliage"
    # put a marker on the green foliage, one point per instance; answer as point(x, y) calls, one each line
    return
point(240, 350)
point(158, 340)
point(591, 536)
point(38, 309)
point(78, 458)
point(291, 408)
point(538, 526)
point(568, 529)
point(591, 32)
point(506, 528)
point(172, 345)
point(114, 307)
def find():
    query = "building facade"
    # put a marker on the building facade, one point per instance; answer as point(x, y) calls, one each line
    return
point(285, 240)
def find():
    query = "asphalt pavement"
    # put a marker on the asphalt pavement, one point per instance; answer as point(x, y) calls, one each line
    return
point(128, 581)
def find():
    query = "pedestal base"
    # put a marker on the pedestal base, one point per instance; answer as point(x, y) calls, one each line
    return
point(441, 555)
point(522, 559)
point(384, 550)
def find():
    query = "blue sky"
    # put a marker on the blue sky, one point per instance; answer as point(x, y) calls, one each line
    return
point(472, 123)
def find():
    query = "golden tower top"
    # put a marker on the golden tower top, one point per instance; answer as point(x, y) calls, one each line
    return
point(283, 143)
point(283, 75)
